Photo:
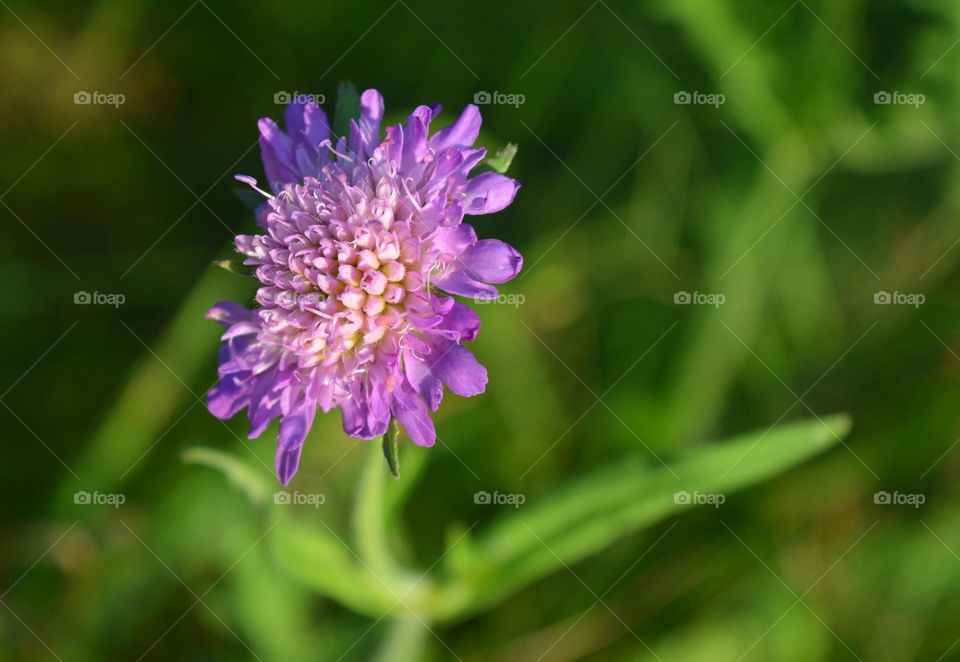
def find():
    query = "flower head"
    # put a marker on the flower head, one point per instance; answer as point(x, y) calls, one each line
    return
point(362, 241)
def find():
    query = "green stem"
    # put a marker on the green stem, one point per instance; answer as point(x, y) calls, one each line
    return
point(404, 642)
point(370, 526)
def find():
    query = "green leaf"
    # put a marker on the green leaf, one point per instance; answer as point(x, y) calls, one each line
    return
point(536, 539)
point(254, 483)
point(503, 158)
point(321, 560)
point(391, 448)
point(347, 108)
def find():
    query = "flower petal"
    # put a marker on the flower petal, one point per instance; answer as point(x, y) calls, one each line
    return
point(354, 420)
point(422, 379)
point(365, 133)
point(460, 283)
point(414, 143)
point(411, 412)
point(378, 414)
point(491, 261)
point(261, 416)
point(455, 239)
point(287, 462)
point(393, 144)
point(461, 321)
point(275, 149)
point(362, 418)
point(458, 368)
point(316, 125)
point(461, 133)
point(229, 396)
point(229, 313)
point(488, 193)
point(293, 430)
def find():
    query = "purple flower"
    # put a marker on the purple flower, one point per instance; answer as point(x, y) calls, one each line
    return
point(361, 238)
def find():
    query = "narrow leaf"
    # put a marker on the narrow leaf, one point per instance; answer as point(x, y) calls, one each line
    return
point(391, 448)
point(347, 108)
point(536, 539)
point(240, 474)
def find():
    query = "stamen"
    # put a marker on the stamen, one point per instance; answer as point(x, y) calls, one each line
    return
point(329, 145)
point(252, 183)
point(412, 199)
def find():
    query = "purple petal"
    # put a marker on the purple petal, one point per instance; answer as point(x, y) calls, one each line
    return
point(316, 128)
point(455, 239)
point(471, 157)
point(488, 193)
point(261, 416)
point(409, 409)
point(229, 313)
point(460, 283)
point(293, 119)
point(459, 369)
point(287, 462)
point(229, 396)
point(462, 322)
point(453, 215)
point(275, 148)
point(491, 261)
point(357, 413)
point(264, 407)
point(378, 415)
point(394, 144)
point(365, 133)
point(424, 382)
point(354, 417)
point(293, 430)
point(424, 113)
point(414, 143)
point(461, 133)
point(445, 166)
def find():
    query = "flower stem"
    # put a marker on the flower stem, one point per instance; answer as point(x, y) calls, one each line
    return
point(370, 525)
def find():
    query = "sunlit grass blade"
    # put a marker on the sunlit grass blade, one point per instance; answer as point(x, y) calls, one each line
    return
point(587, 517)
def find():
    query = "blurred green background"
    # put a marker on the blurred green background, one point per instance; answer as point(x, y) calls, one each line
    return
point(811, 178)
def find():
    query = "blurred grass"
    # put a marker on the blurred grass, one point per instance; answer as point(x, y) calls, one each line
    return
point(714, 199)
